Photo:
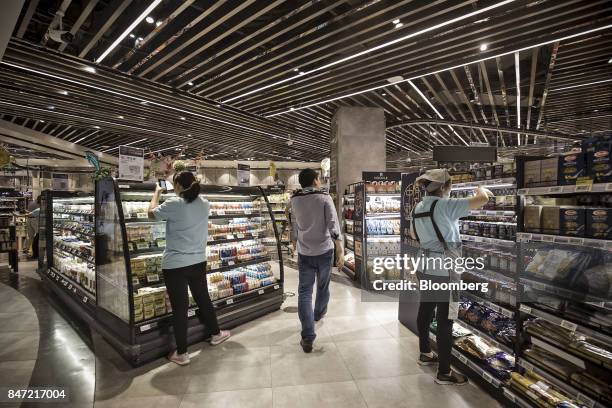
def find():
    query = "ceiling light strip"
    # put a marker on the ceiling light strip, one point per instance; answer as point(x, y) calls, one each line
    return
point(141, 100)
point(435, 110)
point(376, 48)
point(440, 70)
point(128, 30)
point(517, 70)
point(580, 85)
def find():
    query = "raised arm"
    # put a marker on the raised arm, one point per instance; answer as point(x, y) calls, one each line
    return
point(480, 198)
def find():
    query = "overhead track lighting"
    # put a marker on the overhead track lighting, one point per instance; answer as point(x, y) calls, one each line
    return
point(141, 17)
point(378, 47)
point(323, 102)
point(483, 47)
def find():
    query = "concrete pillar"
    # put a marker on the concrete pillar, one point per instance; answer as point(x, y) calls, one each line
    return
point(8, 21)
point(357, 145)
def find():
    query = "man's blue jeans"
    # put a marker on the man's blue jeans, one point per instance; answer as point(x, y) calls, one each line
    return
point(312, 267)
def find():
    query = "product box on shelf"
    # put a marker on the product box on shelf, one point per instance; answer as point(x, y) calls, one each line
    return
point(571, 167)
point(550, 171)
point(598, 159)
point(599, 223)
point(533, 170)
point(532, 218)
point(568, 221)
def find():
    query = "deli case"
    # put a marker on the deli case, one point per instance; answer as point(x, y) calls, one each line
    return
point(127, 301)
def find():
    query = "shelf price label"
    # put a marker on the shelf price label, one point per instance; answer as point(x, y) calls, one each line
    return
point(583, 188)
point(229, 236)
point(229, 301)
point(568, 325)
point(220, 212)
point(511, 397)
point(276, 287)
point(239, 236)
point(231, 263)
point(247, 212)
point(525, 309)
point(553, 190)
point(527, 365)
point(260, 291)
point(609, 187)
point(583, 399)
point(145, 327)
point(548, 238)
point(576, 241)
point(488, 377)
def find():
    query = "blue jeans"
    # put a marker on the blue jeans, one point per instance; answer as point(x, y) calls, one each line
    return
point(319, 266)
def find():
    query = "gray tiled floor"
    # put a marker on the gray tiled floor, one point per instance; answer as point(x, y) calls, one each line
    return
point(363, 358)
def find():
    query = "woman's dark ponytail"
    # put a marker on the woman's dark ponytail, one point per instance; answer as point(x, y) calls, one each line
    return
point(190, 185)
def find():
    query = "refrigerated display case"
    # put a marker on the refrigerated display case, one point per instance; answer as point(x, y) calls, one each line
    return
point(127, 300)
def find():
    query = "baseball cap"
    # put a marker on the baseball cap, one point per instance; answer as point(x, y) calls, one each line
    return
point(436, 178)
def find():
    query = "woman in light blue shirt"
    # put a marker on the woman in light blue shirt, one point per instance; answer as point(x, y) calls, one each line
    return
point(435, 224)
point(184, 259)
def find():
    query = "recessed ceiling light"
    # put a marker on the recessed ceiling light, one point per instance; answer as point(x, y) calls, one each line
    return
point(63, 92)
point(41, 121)
point(120, 117)
point(396, 21)
point(301, 72)
point(395, 79)
point(149, 20)
point(296, 69)
point(51, 107)
point(132, 35)
point(140, 39)
point(384, 94)
point(610, 61)
point(89, 69)
point(188, 134)
point(96, 127)
point(483, 47)
point(158, 23)
point(292, 108)
point(399, 25)
point(190, 83)
point(182, 118)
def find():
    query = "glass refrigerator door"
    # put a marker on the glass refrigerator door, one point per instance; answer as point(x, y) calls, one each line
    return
point(112, 276)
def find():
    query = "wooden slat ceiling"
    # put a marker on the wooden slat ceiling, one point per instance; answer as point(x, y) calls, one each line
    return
point(263, 78)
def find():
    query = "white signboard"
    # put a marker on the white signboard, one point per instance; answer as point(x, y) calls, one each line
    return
point(131, 163)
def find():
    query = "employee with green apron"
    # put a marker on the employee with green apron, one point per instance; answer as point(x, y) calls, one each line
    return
point(435, 224)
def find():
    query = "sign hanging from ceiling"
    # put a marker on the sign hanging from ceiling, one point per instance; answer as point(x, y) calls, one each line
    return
point(131, 163)
point(60, 182)
point(244, 174)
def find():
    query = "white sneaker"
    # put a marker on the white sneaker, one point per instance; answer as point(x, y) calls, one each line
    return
point(180, 359)
point(220, 338)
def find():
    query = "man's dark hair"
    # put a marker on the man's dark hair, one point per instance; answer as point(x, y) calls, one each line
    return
point(307, 177)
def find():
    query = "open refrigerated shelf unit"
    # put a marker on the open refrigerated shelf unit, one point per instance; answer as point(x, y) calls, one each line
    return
point(127, 301)
point(371, 225)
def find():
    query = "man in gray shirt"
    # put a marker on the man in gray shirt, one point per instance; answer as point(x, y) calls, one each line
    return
point(318, 233)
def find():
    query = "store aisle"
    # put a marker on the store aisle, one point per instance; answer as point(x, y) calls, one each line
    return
point(363, 357)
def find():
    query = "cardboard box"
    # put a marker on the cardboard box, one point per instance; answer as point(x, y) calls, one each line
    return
point(549, 171)
point(533, 170)
point(572, 221)
point(571, 166)
point(550, 220)
point(599, 223)
point(532, 218)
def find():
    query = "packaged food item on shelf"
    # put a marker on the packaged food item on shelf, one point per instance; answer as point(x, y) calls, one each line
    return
point(532, 217)
point(477, 347)
point(571, 167)
point(550, 171)
point(540, 392)
point(599, 161)
point(532, 173)
point(568, 221)
point(599, 223)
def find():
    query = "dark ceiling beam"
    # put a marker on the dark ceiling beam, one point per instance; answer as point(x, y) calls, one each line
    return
point(27, 17)
point(107, 23)
point(91, 4)
point(549, 73)
point(234, 28)
point(256, 44)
